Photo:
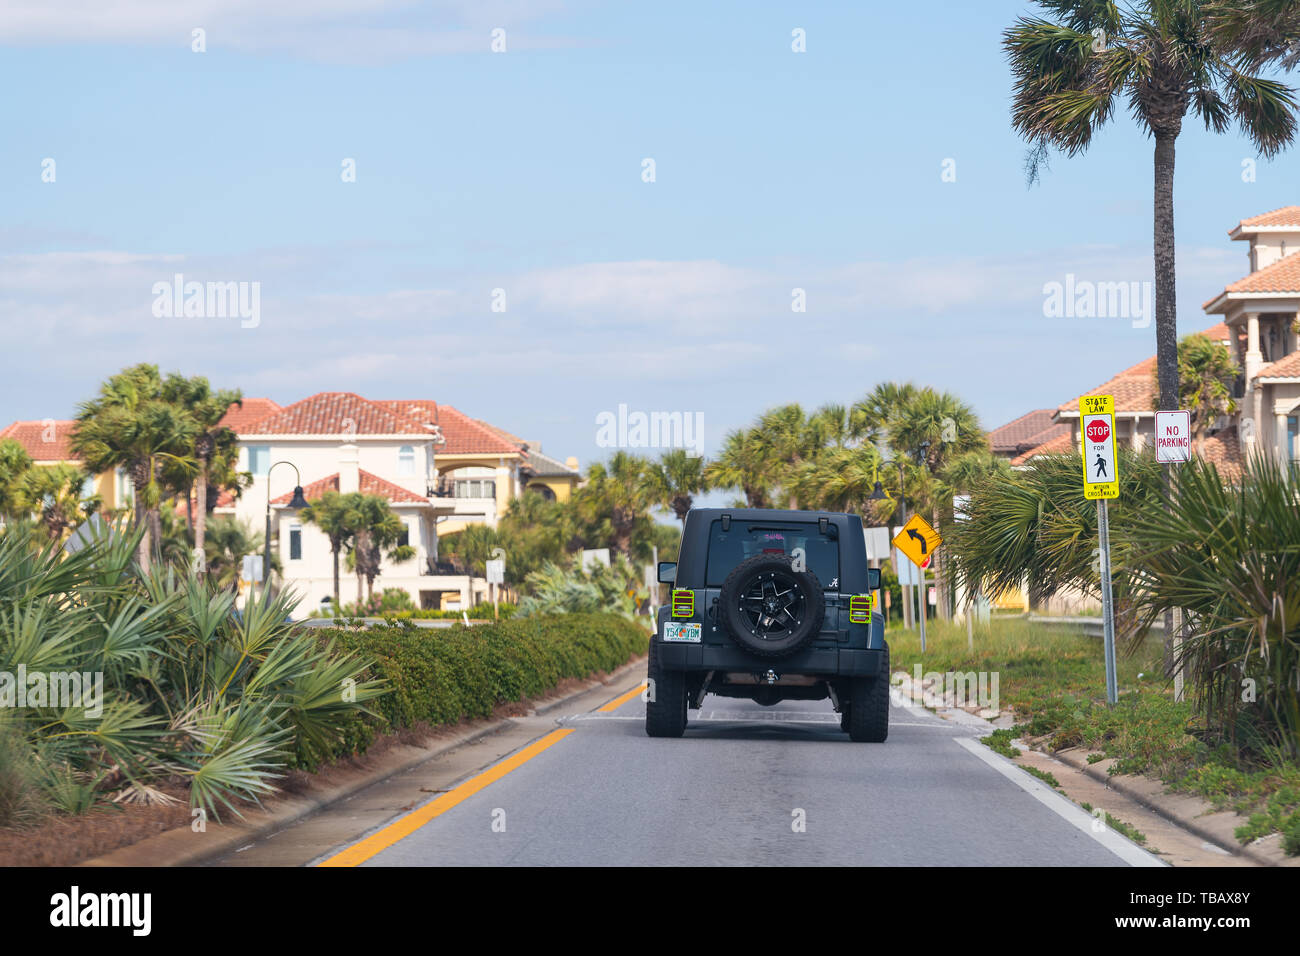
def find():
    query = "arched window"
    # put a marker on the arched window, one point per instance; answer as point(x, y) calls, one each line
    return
point(406, 461)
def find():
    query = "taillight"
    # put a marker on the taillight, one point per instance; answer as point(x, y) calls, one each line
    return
point(860, 608)
point(683, 603)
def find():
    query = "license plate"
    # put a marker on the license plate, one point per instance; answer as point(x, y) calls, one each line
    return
point(689, 633)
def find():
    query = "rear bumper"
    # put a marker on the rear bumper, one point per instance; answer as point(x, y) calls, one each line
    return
point(818, 661)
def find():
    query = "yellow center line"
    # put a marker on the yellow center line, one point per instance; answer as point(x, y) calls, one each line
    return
point(622, 699)
point(400, 829)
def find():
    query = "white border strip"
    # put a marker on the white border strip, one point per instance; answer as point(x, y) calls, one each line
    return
point(1121, 846)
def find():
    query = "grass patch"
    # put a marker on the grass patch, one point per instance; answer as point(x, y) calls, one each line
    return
point(1054, 680)
point(1000, 742)
point(1044, 776)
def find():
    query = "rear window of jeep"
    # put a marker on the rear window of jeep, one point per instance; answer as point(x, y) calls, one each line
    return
point(821, 552)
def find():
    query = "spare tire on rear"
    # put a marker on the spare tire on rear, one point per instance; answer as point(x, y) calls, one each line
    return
point(769, 608)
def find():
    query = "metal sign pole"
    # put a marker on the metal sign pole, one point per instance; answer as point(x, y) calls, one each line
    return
point(922, 602)
point(1107, 602)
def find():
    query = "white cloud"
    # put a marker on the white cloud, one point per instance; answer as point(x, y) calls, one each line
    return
point(365, 31)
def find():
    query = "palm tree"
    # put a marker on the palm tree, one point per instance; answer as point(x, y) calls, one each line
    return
point(873, 413)
point(1164, 57)
point(674, 480)
point(1206, 373)
point(615, 492)
point(337, 518)
point(14, 463)
point(932, 428)
point(745, 462)
point(377, 534)
point(131, 424)
point(1262, 31)
point(205, 408)
point(53, 493)
point(229, 541)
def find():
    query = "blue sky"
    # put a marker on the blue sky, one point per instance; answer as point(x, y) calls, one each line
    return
point(522, 171)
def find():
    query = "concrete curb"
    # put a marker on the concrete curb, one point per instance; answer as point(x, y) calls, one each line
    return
point(183, 847)
point(1119, 784)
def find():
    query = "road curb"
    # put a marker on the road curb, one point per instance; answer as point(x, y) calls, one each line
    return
point(177, 847)
point(1120, 785)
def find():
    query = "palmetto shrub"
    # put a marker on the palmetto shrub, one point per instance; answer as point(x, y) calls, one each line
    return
point(193, 695)
point(553, 589)
point(1229, 556)
point(1034, 529)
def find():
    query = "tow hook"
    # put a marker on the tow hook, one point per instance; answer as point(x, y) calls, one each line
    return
point(772, 676)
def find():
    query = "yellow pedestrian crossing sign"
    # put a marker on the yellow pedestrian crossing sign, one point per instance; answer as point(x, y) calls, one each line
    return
point(1097, 436)
point(918, 541)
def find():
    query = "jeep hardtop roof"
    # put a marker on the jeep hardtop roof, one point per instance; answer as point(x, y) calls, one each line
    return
point(695, 541)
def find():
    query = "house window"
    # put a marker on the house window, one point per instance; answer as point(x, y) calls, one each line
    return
point(475, 488)
point(1292, 427)
point(259, 459)
point(88, 487)
point(295, 542)
point(404, 539)
point(406, 461)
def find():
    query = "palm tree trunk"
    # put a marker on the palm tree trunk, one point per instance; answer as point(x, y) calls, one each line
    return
point(335, 550)
point(1165, 272)
point(1166, 308)
point(200, 520)
point(139, 517)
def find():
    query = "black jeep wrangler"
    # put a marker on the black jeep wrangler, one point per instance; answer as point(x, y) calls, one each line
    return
point(771, 606)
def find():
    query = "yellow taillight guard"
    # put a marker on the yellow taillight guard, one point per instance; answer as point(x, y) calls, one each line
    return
point(683, 603)
point(860, 609)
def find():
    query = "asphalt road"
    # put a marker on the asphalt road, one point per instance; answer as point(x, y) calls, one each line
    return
point(750, 785)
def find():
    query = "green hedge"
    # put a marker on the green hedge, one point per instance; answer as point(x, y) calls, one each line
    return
point(441, 676)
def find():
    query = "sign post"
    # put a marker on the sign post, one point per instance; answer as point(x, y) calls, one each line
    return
point(918, 541)
point(496, 575)
point(1174, 445)
point(1100, 484)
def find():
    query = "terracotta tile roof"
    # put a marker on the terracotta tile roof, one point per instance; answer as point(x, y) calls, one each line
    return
point(1061, 444)
point(1281, 276)
point(238, 418)
point(335, 413)
point(469, 436)
point(1218, 333)
point(1286, 216)
point(1134, 389)
point(1288, 366)
point(370, 485)
point(46, 440)
point(1019, 434)
point(1223, 449)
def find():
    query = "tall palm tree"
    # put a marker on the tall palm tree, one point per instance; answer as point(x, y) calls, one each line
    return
point(1263, 31)
point(615, 492)
point(337, 517)
point(131, 424)
point(377, 534)
point(1164, 58)
point(932, 428)
point(205, 408)
point(745, 462)
point(674, 480)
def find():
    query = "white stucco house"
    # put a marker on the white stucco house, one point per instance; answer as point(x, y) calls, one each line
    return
point(439, 469)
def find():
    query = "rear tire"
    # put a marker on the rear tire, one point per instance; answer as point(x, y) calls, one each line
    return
point(665, 710)
point(867, 718)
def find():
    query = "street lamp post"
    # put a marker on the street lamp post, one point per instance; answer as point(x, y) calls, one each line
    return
point(295, 503)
